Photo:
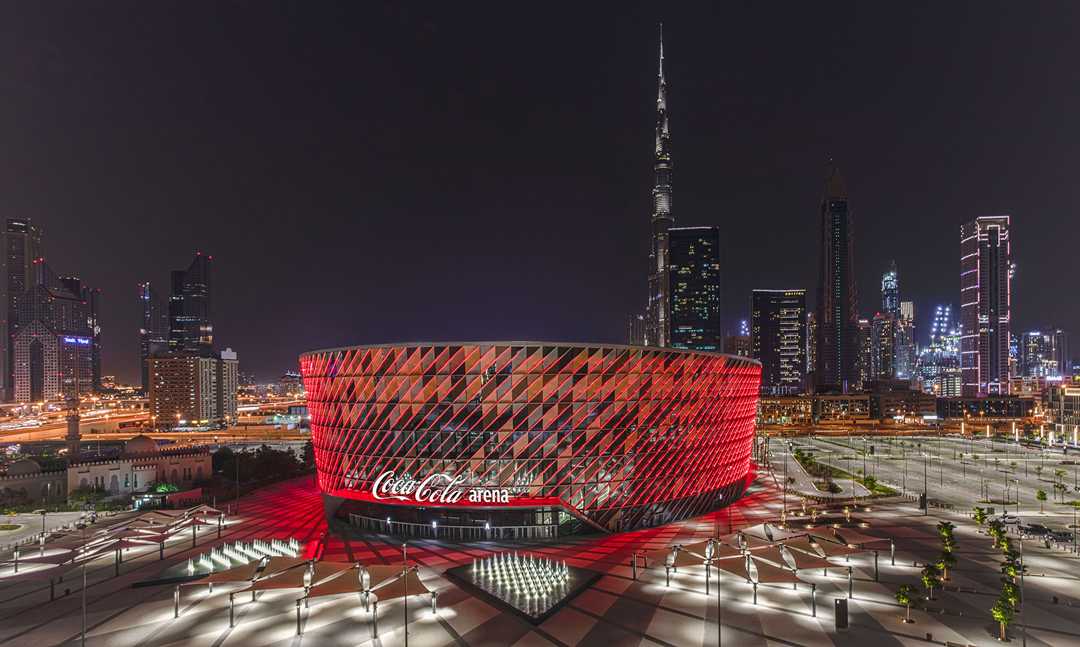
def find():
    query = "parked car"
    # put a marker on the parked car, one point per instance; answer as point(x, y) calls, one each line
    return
point(1009, 519)
point(1034, 530)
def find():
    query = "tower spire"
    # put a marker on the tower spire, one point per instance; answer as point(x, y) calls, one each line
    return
point(661, 51)
point(658, 321)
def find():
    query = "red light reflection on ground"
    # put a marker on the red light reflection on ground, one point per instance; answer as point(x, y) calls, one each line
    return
point(294, 508)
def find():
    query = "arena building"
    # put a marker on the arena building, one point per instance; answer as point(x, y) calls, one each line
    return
point(527, 440)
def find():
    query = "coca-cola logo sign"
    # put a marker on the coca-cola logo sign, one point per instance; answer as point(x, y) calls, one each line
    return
point(439, 488)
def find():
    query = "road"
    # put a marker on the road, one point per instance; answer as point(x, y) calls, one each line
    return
point(957, 471)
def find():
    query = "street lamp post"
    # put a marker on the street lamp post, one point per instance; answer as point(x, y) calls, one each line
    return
point(926, 493)
point(1023, 624)
point(237, 461)
point(82, 635)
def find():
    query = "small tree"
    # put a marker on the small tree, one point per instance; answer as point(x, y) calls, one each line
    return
point(1003, 614)
point(979, 515)
point(996, 529)
point(944, 563)
point(905, 595)
point(1041, 496)
point(929, 579)
point(1038, 471)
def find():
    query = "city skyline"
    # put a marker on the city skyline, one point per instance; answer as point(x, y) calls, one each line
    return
point(303, 200)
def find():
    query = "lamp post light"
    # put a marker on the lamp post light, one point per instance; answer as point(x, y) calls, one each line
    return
point(926, 493)
point(237, 457)
point(82, 635)
point(1017, 482)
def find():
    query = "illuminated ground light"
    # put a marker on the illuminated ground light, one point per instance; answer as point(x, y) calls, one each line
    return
point(532, 586)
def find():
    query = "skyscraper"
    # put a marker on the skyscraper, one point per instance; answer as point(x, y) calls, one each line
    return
point(942, 331)
point(778, 339)
point(694, 274)
point(192, 390)
point(882, 347)
point(153, 329)
point(985, 305)
point(837, 307)
point(890, 291)
point(1044, 353)
point(21, 246)
point(865, 363)
point(190, 328)
point(53, 344)
point(905, 341)
point(658, 325)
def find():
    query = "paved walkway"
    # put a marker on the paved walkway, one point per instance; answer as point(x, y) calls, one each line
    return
point(617, 610)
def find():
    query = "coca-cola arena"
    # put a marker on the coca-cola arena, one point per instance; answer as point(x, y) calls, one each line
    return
point(526, 440)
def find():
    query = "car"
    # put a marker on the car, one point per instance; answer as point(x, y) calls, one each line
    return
point(1062, 536)
point(1009, 519)
point(1034, 530)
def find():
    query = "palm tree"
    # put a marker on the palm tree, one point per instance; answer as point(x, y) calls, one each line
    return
point(979, 515)
point(944, 563)
point(929, 579)
point(905, 595)
point(1041, 496)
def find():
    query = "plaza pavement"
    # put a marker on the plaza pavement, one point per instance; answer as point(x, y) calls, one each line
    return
point(616, 610)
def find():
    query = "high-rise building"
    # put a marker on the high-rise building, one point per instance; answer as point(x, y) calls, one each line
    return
point(91, 298)
point(738, 345)
point(882, 347)
point(938, 364)
point(153, 329)
point(864, 364)
point(694, 275)
point(942, 330)
point(1044, 353)
point(890, 291)
point(811, 345)
point(658, 328)
point(21, 241)
point(190, 328)
point(837, 307)
point(228, 380)
point(53, 343)
point(985, 305)
point(636, 330)
point(778, 339)
point(905, 341)
point(192, 390)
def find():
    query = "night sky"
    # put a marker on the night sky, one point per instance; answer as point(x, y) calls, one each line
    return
point(467, 171)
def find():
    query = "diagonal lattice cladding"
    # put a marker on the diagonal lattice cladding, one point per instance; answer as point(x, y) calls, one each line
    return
point(627, 436)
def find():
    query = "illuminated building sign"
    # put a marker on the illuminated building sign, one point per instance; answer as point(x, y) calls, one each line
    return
point(434, 489)
point(81, 341)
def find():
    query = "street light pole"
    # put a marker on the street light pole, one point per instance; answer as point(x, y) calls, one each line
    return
point(926, 493)
point(82, 636)
point(1023, 624)
point(237, 461)
point(785, 478)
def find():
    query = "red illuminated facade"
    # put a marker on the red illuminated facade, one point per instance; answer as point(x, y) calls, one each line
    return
point(475, 438)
